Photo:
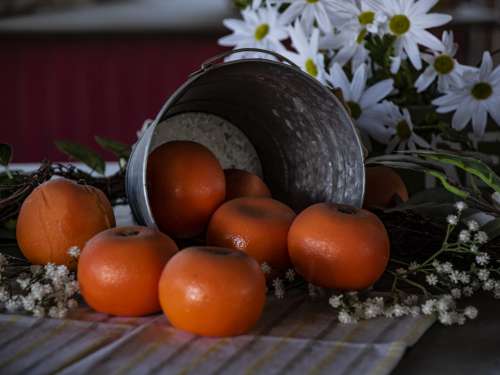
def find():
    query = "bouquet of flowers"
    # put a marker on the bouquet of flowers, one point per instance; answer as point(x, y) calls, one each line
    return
point(403, 85)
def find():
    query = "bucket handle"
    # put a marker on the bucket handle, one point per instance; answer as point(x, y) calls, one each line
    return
point(211, 61)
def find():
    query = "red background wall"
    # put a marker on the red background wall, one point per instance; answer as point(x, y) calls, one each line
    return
point(76, 87)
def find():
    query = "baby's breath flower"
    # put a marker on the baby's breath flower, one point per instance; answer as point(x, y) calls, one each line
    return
point(429, 306)
point(473, 225)
point(290, 275)
point(415, 311)
point(474, 248)
point(464, 236)
point(39, 311)
point(454, 277)
point(266, 268)
point(372, 310)
point(4, 294)
point(12, 305)
point(483, 274)
point(482, 259)
point(413, 266)
point(481, 237)
point(28, 303)
point(489, 285)
point(460, 206)
point(345, 318)
point(279, 291)
point(468, 291)
point(336, 301)
point(447, 267)
point(470, 312)
point(54, 312)
point(445, 303)
point(446, 318)
point(464, 277)
point(431, 279)
point(74, 252)
point(456, 293)
point(452, 219)
point(23, 282)
point(460, 319)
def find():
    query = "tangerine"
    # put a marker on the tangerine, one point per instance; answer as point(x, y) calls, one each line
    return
point(212, 291)
point(338, 246)
point(119, 270)
point(240, 183)
point(186, 184)
point(383, 188)
point(60, 214)
point(257, 226)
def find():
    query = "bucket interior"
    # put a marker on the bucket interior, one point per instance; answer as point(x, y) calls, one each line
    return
point(304, 138)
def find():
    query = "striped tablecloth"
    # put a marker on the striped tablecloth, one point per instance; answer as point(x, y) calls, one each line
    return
point(296, 335)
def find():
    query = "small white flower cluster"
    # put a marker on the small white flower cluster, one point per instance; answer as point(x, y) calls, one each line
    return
point(278, 283)
point(331, 37)
point(38, 290)
point(445, 275)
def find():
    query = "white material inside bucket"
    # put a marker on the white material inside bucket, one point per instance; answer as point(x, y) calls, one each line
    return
point(228, 143)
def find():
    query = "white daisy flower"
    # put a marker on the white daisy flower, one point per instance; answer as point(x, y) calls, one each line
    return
point(477, 96)
point(399, 125)
point(442, 65)
point(310, 11)
point(307, 57)
point(260, 28)
point(357, 21)
point(363, 101)
point(408, 20)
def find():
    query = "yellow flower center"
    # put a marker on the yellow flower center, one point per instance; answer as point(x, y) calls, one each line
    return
point(399, 24)
point(444, 64)
point(312, 1)
point(366, 18)
point(482, 91)
point(355, 110)
point(403, 130)
point(261, 31)
point(311, 67)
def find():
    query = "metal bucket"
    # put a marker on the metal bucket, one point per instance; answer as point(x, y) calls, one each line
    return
point(305, 139)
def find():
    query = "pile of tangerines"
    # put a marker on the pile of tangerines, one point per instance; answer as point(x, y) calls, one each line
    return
point(218, 289)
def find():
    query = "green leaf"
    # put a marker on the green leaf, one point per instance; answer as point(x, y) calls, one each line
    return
point(492, 229)
point(5, 154)
point(470, 165)
point(404, 161)
point(83, 154)
point(121, 150)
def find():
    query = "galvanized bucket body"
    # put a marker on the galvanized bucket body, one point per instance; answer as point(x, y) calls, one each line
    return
point(304, 137)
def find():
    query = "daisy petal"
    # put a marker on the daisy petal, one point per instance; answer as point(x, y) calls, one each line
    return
point(461, 117)
point(426, 39)
point(376, 93)
point(358, 83)
point(479, 121)
point(339, 80)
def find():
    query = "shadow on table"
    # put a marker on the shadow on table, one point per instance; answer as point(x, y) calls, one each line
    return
point(471, 349)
